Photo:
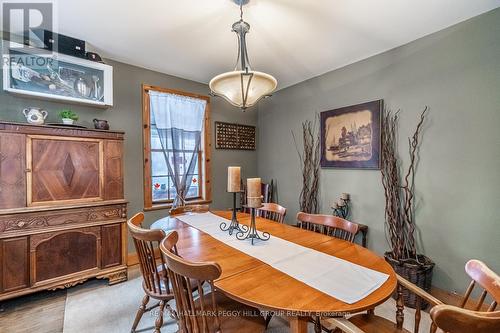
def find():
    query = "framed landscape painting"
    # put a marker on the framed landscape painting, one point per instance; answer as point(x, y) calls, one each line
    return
point(350, 136)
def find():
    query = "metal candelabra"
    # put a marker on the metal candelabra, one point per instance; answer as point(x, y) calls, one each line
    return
point(234, 225)
point(251, 232)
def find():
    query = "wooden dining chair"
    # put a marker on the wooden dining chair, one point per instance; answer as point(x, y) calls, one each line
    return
point(155, 278)
point(329, 225)
point(188, 209)
point(469, 316)
point(272, 211)
point(211, 311)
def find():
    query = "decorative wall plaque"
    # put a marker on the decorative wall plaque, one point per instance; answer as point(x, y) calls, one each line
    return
point(234, 136)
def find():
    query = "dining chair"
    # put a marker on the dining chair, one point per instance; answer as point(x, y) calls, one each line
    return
point(469, 316)
point(211, 311)
point(329, 225)
point(272, 211)
point(189, 208)
point(155, 279)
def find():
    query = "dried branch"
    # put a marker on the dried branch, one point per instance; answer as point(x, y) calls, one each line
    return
point(399, 193)
point(309, 158)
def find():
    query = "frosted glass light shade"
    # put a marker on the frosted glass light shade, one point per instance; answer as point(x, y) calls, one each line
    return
point(229, 86)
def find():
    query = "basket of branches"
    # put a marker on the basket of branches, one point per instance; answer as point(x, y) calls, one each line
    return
point(399, 190)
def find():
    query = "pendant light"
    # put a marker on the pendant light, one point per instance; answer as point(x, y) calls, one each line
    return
point(242, 87)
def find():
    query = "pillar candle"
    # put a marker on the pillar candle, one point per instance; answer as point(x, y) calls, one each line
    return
point(233, 179)
point(254, 196)
point(345, 196)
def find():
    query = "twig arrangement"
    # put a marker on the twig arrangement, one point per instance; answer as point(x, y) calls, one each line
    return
point(399, 191)
point(309, 158)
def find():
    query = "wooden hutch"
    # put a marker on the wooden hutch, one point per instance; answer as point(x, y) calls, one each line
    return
point(62, 209)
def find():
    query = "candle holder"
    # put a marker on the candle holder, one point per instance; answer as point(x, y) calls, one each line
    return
point(234, 225)
point(342, 211)
point(251, 232)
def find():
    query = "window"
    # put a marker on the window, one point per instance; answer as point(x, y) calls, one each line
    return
point(159, 188)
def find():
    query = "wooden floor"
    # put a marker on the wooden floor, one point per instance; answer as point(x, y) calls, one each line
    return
point(42, 312)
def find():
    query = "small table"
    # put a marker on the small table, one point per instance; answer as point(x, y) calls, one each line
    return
point(252, 282)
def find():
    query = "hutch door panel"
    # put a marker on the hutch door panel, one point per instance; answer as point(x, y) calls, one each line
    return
point(64, 170)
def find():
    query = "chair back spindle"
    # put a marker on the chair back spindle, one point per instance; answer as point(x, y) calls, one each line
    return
point(147, 243)
point(272, 211)
point(482, 276)
point(329, 225)
point(198, 315)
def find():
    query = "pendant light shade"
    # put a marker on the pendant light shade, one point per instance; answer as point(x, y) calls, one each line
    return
point(242, 87)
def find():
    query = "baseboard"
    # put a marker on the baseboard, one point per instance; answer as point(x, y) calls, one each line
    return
point(133, 258)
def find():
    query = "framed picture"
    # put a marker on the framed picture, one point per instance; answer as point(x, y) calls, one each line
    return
point(350, 136)
point(56, 76)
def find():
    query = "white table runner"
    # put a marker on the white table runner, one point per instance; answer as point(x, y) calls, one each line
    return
point(333, 276)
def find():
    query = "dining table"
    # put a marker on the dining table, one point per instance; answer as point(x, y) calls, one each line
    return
point(255, 283)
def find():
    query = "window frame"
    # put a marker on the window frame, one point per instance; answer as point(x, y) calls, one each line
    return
point(204, 184)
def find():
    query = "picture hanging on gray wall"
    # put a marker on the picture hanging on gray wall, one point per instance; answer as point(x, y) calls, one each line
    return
point(350, 136)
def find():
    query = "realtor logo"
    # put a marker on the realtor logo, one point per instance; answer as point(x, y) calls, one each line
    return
point(20, 21)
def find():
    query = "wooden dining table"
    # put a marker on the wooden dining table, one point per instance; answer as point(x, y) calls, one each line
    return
point(255, 283)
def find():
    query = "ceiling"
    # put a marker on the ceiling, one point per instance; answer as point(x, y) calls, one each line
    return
point(291, 39)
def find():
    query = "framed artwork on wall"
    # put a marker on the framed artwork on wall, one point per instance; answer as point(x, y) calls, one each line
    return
point(350, 136)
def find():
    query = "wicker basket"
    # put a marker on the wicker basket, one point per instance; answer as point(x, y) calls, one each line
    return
point(417, 272)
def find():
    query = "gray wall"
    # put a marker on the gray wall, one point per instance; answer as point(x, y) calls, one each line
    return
point(126, 114)
point(456, 72)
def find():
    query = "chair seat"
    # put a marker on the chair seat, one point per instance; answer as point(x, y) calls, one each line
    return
point(234, 316)
point(370, 323)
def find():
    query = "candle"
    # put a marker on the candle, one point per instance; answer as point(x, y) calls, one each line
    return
point(341, 203)
point(254, 196)
point(234, 179)
point(345, 196)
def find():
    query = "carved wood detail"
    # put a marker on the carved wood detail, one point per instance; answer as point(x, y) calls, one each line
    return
point(68, 285)
point(35, 240)
point(115, 277)
point(61, 217)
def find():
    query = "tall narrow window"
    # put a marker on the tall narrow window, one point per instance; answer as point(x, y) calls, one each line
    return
point(176, 148)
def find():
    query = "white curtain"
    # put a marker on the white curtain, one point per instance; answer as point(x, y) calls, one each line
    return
point(179, 122)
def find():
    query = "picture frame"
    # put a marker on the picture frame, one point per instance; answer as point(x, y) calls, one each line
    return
point(351, 136)
point(50, 75)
